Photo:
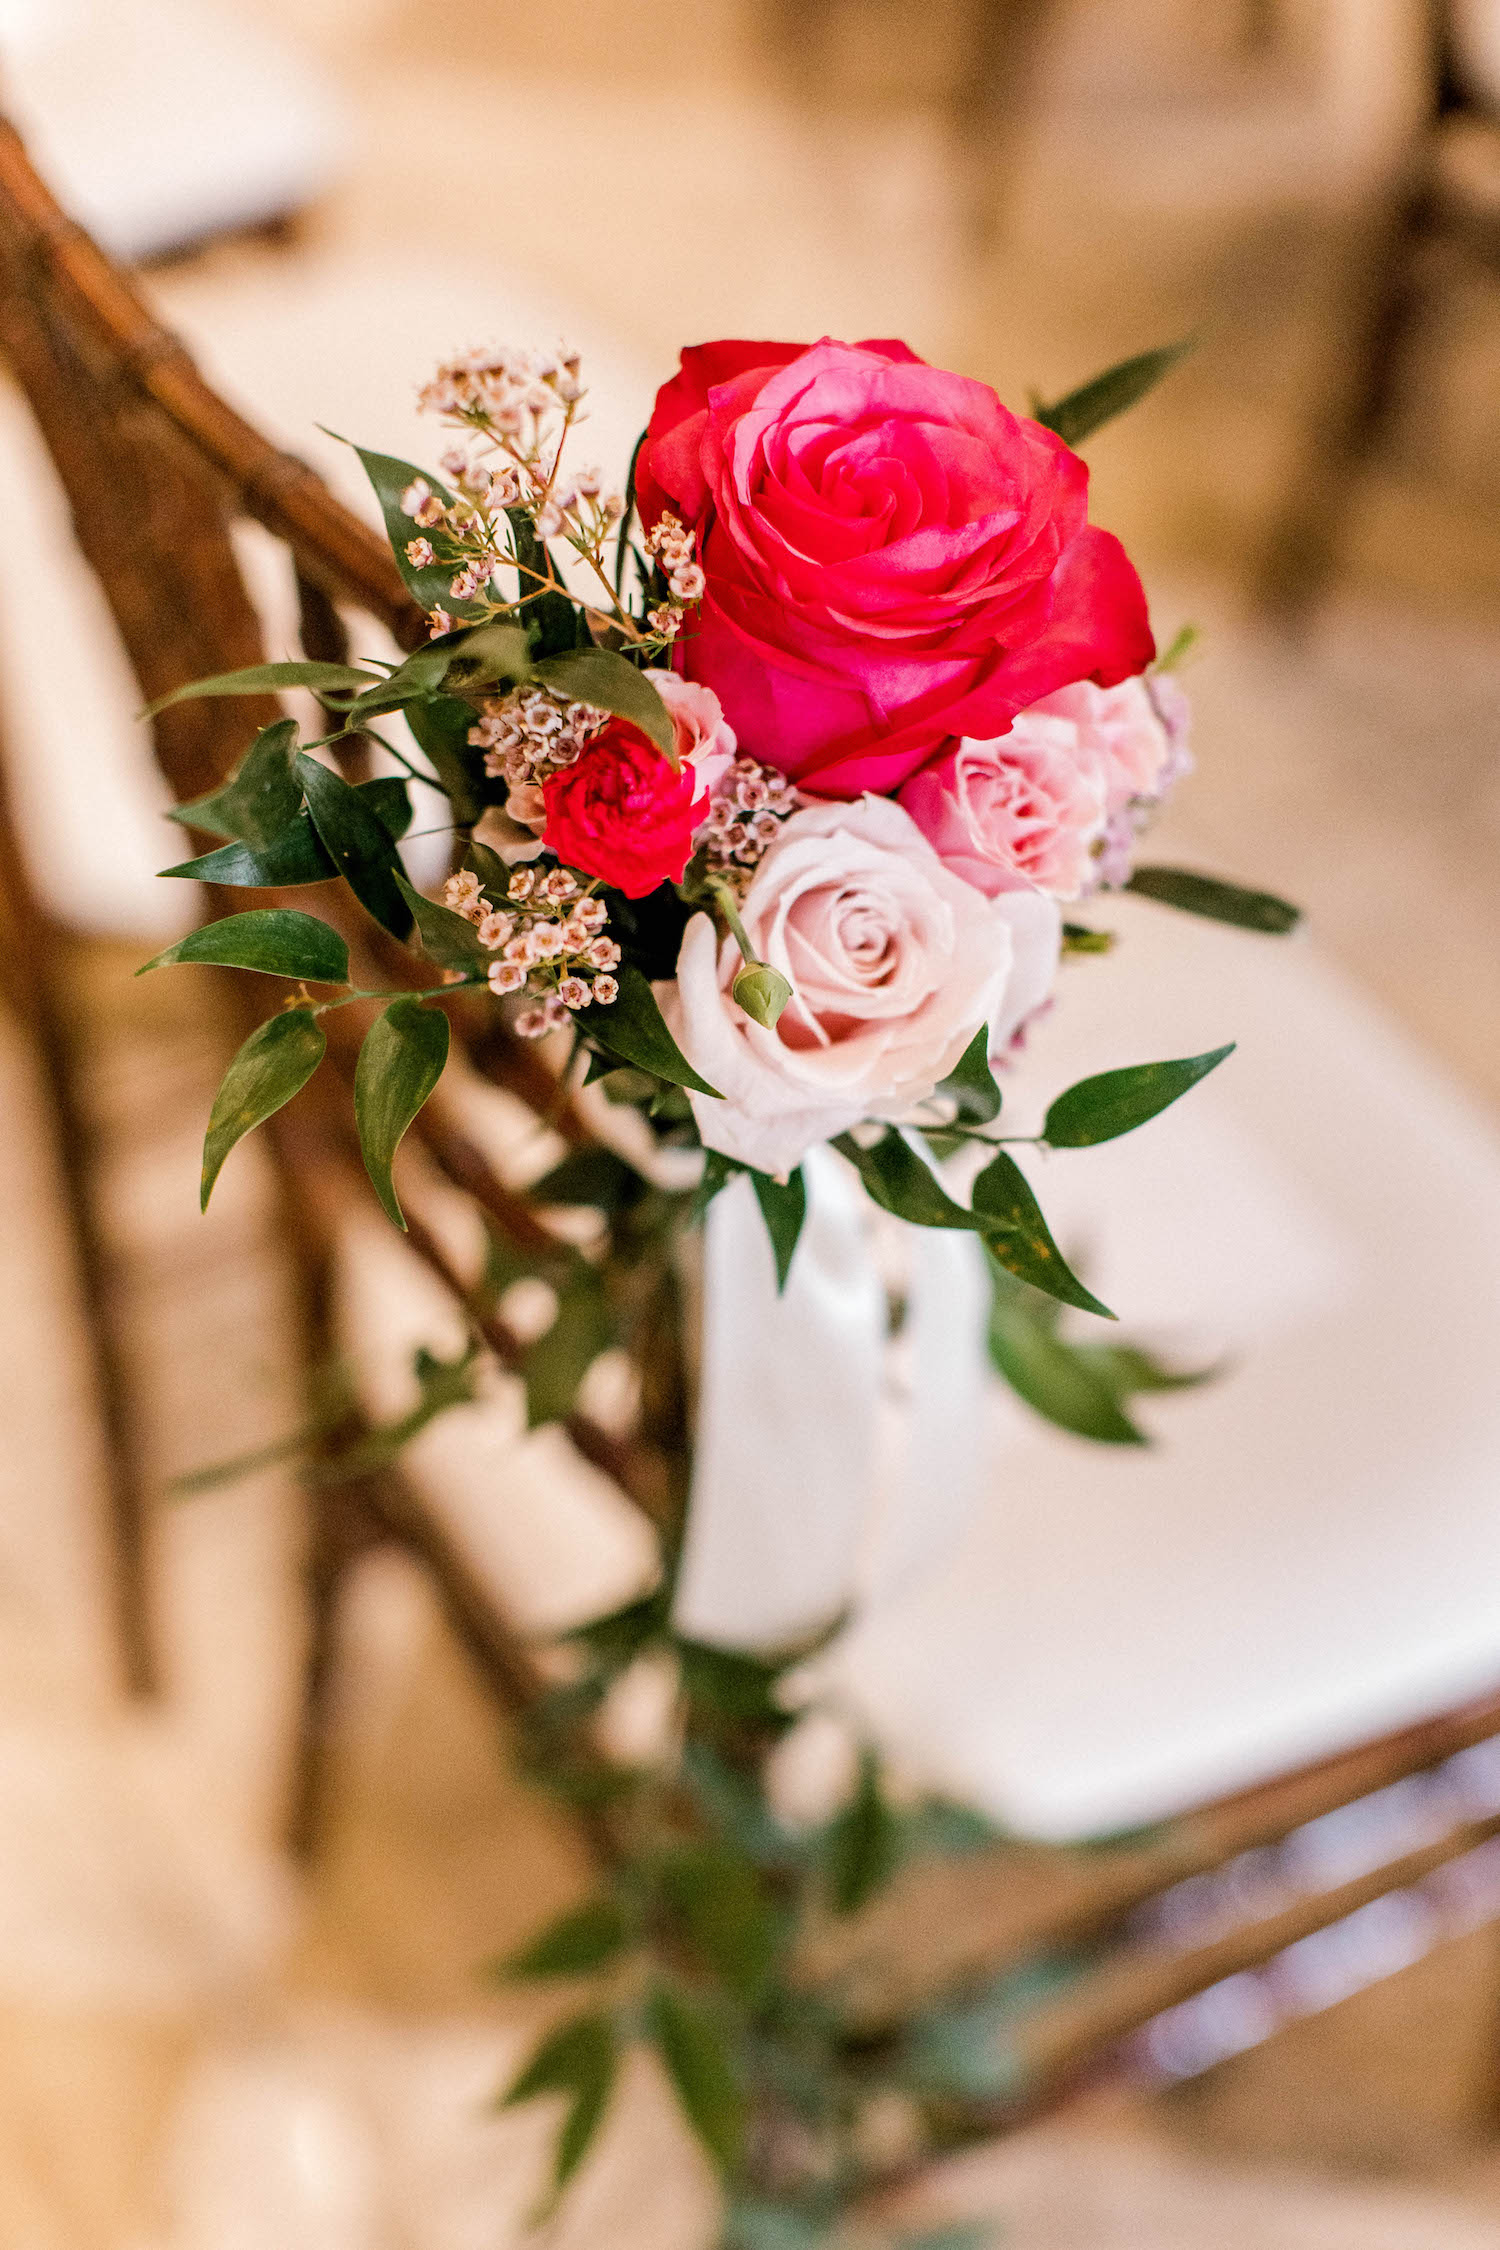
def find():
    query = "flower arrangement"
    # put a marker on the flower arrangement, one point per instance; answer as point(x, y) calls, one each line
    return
point(777, 780)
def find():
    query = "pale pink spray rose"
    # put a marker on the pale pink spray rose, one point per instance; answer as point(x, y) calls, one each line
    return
point(1023, 811)
point(1048, 803)
point(1122, 731)
point(705, 739)
point(894, 962)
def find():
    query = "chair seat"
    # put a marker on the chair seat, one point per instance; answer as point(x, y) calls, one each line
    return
point(1310, 1552)
point(241, 130)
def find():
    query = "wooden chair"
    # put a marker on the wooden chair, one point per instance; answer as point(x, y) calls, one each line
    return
point(1441, 215)
point(1075, 1953)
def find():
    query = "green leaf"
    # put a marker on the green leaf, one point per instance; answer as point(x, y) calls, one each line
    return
point(580, 2060)
point(485, 655)
point(577, 1943)
point(399, 1064)
point(734, 1686)
point(447, 938)
point(494, 875)
point(1116, 1101)
point(1005, 1212)
point(971, 1082)
point(295, 856)
point(939, 1828)
point(1215, 900)
point(896, 1178)
point(429, 584)
point(783, 1206)
point(1178, 650)
point(390, 800)
point(734, 1807)
point(275, 1062)
point(440, 728)
point(1053, 1377)
point(1130, 1369)
point(277, 940)
point(968, 2051)
point(1093, 404)
point(699, 2066)
point(553, 618)
point(260, 798)
point(416, 680)
point(262, 679)
point(1018, 1236)
point(718, 1171)
point(617, 1638)
point(634, 1030)
point(557, 1362)
point(603, 677)
point(862, 1845)
point(1077, 937)
point(593, 1179)
point(357, 841)
point(730, 1918)
point(771, 2226)
point(622, 529)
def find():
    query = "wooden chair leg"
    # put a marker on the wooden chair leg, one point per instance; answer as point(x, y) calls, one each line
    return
point(991, 99)
point(34, 985)
point(1301, 553)
point(341, 1533)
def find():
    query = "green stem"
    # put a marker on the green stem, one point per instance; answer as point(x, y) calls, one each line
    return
point(433, 992)
point(969, 1133)
point(729, 908)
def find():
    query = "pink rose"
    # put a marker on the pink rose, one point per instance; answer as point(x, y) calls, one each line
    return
point(705, 739)
point(1023, 811)
point(891, 557)
point(1057, 800)
point(1121, 730)
point(893, 962)
point(1132, 813)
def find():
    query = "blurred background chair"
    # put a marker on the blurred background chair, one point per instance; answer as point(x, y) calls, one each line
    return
point(1439, 215)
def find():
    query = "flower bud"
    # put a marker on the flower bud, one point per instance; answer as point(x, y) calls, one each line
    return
point(762, 992)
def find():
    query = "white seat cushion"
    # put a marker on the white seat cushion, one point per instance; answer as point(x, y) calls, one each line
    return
point(1310, 1554)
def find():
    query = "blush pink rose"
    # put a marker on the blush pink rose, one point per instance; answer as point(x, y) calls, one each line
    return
point(1056, 801)
point(1121, 730)
point(705, 739)
point(1024, 811)
point(893, 962)
point(892, 558)
point(1142, 768)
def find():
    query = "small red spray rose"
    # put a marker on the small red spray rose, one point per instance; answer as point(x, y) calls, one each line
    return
point(622, 812)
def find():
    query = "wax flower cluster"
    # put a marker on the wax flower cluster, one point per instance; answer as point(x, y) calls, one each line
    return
point(516, 410)
point(549, 940)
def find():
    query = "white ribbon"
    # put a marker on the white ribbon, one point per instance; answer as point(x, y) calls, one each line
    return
point(817, 1484)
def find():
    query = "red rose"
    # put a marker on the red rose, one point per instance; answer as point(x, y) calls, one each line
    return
point(892, 558)
point(621, 812)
